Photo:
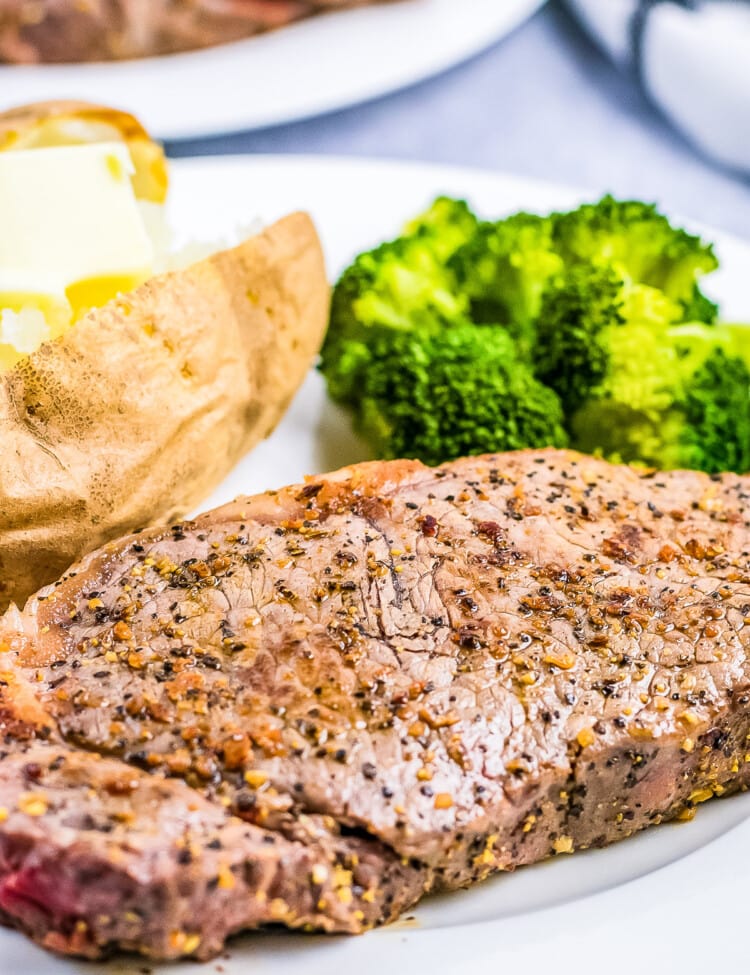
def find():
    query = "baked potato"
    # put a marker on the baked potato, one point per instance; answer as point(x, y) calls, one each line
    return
point(136, 412)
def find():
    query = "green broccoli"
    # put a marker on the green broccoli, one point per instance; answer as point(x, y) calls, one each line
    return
point(636, 384)
point(699, 308)
point(640, 244)
point(438, 394)
point(462, 337)
point(400, 284)
point(448, 224)
point(570, 355)
point(503, 270)
point(504, 267)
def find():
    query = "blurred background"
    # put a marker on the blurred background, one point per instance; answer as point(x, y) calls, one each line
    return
point(549, 101)
point(644, 98)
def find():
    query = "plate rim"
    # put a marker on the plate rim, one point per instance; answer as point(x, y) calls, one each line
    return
point(456, 171)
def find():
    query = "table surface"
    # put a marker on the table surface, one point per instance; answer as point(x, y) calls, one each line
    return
point(542, 103)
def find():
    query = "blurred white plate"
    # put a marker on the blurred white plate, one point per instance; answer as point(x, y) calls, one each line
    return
point(315, 66)
point(671, 899)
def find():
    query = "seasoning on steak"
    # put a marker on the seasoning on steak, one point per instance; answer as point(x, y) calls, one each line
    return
point(313, 706)
point(39, 31)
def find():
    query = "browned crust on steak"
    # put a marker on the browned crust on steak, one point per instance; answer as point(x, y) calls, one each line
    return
point(463, 670)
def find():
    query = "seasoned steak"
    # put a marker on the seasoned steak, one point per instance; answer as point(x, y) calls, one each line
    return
point(315, 705)
point(38, 31)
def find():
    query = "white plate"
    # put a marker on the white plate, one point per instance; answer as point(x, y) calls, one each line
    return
point(315, 66)
point(673, 898)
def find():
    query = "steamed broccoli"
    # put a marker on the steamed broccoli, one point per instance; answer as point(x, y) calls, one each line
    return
point(447, 223)
point(636, 384)
point(462, 337)
point(504, 267)
point(639, 243)
point(400, 284)
point(438, 394)
point(503, 270)
point(402, 351)
point(699, 308)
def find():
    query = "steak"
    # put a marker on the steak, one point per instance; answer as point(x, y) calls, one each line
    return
point(39, 31)
point(314, 706)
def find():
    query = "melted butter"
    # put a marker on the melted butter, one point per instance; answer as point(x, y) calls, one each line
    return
point(91, 293)
point(74, 237)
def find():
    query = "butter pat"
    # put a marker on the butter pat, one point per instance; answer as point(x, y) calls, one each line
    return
point(73, 236)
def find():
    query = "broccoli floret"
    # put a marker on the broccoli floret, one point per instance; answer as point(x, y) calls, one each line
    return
point(637, 385)
point(503, 270)
point(400, 284)
point(639, 243)
point(569, 354)
point(438, 394)
point(448, 223)
point(700, 308)
point(716, 407)
point(461, 337)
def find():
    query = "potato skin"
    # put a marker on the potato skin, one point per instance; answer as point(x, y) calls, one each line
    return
point(136, 413)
